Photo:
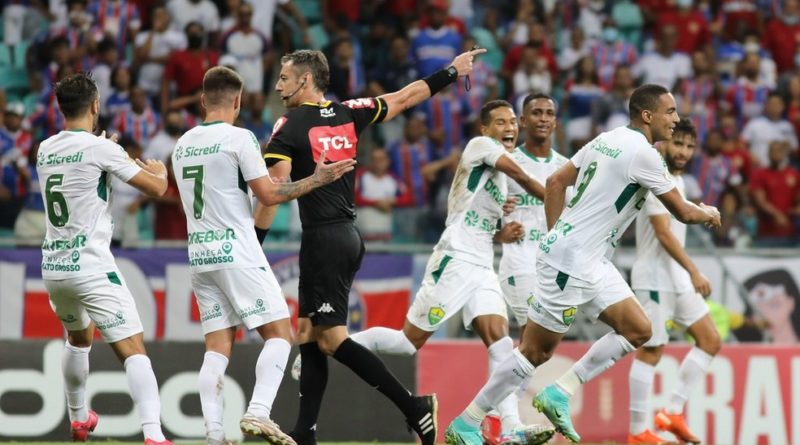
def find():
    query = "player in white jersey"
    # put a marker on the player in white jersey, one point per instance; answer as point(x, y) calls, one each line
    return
point(669, 287)
point(574, 273)
point(460, 274)
point(216, 165)
point(86, 289)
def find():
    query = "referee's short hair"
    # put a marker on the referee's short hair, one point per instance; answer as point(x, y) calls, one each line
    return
point(75, 94)
point(315, 62)
point(488, 107)
point(645, 98)
point(221, 85)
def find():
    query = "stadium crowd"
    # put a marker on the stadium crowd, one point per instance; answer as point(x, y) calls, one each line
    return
point(733, 66)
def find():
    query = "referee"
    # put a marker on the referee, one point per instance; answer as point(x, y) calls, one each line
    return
point(331, 248)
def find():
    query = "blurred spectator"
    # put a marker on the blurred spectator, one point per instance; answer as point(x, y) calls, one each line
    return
point(396, 72)
point(118, 20)
point(125, 202)
point(693, 33)
point(347, 79)
point(738, 222)
point(30, 227)
point(348, 9)
point(377, 193)
point(611, 110)
point(712, 170)
point(578, 48)
point(163, 142)
point(531, 74)
point(230, 15)
point(781, 36)
point(445, 115)
point(252, 118)
point(736, 150)
point(107, 60)
point(519, 27)
point(482, 81)
point(152, 50)
point(15, 144)
point(204, 12)
point(591, 16)
point(698, 95)
point(435, 45)
point(610, 52)
point(264, 18)
point(449, 21)
point(170, 221)
point(793, 102)
point(746, 98)
point(376, 43)
point(185, 69)
point(629, 20)
point(664, 66)
point(249, 47)
point(537, 39)
point(81, 41)
point(737, 15)
point(141, 122)
point(120, 98)
point(776, 196)
point(580, 94)
point(763, 129)
point(47, 119)
point(59, 55)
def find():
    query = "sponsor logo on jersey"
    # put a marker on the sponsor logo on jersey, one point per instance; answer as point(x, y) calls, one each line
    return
point(526, 200)
point(568, 315)
point(436, 315)
point(494, 191)
point(364, 102)
point(63, 244)
point(327, 112)
point(210, 236)
point(338, 142)
point(601, 147)
point(55, 159)
point(190, 152)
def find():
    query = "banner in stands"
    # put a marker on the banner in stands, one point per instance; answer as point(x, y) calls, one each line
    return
point(159, 280)
point(751, 395)
point(33, 406)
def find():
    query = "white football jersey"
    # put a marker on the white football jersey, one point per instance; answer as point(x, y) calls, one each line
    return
point(520, 257)
point(73, 168)
point(475, 203)
point(212, 164)
point(654, 268)
point(615, 171)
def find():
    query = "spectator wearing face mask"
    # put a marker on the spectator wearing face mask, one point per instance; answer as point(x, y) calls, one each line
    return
point(693, 30)
point(152, 50)
point(203, 12)
point(611, 52)
point(162, 144)
point(185, 70)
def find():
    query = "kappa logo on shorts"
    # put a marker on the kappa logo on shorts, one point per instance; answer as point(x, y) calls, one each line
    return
point(568, 315)
point(326, 308)
point(435, 315)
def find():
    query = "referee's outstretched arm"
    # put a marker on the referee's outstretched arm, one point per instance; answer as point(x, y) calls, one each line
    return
point(417, 91)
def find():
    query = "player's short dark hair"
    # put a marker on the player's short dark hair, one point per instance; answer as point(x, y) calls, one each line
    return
point(313, 61)
point(533, 96)
point(488, 107)
point(685, 127)
point(129, 143)
point(75, 94)
point(221, 84)
point(644, 98)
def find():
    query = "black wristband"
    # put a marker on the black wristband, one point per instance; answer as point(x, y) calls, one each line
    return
point(261, 234)
point(440, 79)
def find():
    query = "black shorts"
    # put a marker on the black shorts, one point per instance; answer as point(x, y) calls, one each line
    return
point(330, 256)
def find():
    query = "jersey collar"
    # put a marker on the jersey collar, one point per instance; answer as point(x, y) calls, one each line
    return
point(205, 124)
point(549, 157)
point(325, 104)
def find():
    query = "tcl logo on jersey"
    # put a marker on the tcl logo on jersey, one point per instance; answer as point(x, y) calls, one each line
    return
point(364, 102)
point(339, 142)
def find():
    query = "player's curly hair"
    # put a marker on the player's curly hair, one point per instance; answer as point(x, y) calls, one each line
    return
point(312, 61)
point(75, 93)
point(686, 127)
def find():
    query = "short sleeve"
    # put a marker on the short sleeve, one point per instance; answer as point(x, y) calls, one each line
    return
point(577, 158)
point(648, 170)
point(250, 156)
point(366, 111)
point(279, 147)
point(483, 150)
point(653, 206)
point(113, 159)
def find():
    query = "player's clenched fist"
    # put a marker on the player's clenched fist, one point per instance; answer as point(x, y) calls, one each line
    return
point(715, 220)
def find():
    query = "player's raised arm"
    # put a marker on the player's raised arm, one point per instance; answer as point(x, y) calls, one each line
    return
point(417, 91)
point(555, 192)
point(507, 165)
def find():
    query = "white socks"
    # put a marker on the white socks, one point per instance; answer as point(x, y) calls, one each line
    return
point(75, 367)
point(385, 340)
point(640, 381)
point(693, 368)
point(508, 408)
point(509, 376)
point(144, 391)
point(211, 383)
point(269, 373)
point(603, 353)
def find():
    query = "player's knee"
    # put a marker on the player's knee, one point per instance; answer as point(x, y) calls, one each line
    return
point(710, 344)
point(639, 335)
point(536, 356)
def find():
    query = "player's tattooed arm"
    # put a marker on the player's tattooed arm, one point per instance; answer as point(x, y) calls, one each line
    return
point(271, 193)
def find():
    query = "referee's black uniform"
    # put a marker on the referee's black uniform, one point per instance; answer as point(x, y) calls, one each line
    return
point(331, 248)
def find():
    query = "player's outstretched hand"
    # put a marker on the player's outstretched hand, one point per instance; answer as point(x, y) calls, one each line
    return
point(154, 167)
point(327, 173)
point(715, 220)
point(114, 137)
point(510, 233)
point(701, 284)
point(463, 62)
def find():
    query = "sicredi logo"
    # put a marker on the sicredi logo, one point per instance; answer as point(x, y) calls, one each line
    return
point(338, 142)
